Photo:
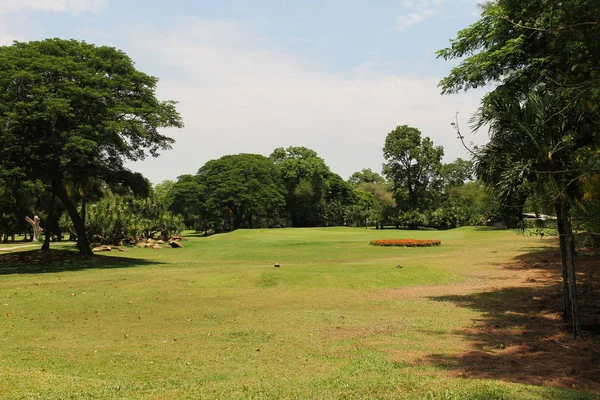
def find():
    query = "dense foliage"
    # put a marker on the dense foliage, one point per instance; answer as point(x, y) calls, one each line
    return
point(413, 164)
point(71, 112)
point(294, 187)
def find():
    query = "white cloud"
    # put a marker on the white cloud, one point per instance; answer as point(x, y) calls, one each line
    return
point(71, 6)
point(417, 12)
point(14, 22)
point(404, 22)
point(235, 97)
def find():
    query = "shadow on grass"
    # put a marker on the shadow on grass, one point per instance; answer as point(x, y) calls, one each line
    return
point(40, 262)
point(198, 234)
point(522, 337)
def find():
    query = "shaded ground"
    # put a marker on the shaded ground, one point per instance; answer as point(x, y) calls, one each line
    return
point(38, 261)
point(522, 336)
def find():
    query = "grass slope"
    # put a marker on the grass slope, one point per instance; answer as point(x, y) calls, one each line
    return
point(217, 320)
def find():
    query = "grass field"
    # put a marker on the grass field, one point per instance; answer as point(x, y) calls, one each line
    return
point(216, 319)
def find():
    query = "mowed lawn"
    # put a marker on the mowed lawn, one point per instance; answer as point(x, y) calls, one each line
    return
point(216, 319)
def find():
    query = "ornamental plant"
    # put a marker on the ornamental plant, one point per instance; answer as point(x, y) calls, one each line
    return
point(406, 242)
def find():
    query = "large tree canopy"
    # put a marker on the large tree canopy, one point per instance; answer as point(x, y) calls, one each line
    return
point(305, 175)
point(241, 191)
point(72, 111)
point(520, 44)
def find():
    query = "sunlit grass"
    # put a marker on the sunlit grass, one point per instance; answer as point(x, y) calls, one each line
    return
point(216, 319)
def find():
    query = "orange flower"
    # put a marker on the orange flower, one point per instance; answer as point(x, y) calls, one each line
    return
point(406, 242)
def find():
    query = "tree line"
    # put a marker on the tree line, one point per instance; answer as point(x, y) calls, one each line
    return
point(294, 187)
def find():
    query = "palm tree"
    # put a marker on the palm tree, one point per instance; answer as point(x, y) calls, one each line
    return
point(532, 149)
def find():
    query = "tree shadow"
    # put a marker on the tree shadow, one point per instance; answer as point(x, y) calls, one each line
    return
point(489, 228)
point(522, 337)
point(198, 234)
point(40, 262)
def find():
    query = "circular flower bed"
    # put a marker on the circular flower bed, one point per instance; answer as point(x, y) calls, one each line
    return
point(406, 242)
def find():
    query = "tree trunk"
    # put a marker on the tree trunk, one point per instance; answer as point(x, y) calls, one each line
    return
point(570, 258)
point(563, 260)
point(50, 224)
point(46, 245)
point(78, 224)
point(83, 207)
point(35, 225)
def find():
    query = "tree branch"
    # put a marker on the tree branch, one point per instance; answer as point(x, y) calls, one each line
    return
point(460, 136)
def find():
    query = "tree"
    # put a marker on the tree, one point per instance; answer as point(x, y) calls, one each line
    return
point(456, 173)
point(338, 196)
point(305, 175)
point(163, 193)
point(413, 164)
point(185, 200)
point(70, 110)
point(507, 177)
point(241, 191)
point(529, 49)
point(540, 139)
point(382, 202)
point(366, 176)
point(521, 44)
point(358, 214)
point(473, 199)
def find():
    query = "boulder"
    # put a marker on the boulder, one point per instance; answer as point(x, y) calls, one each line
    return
point(101, 248)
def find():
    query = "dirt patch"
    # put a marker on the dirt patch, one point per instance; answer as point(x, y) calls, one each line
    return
point(494, 280)
point(522, 336)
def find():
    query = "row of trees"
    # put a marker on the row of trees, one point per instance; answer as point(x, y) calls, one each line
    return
point(294, 187)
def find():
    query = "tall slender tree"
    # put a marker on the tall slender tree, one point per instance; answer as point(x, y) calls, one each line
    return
point(528, 48)
point(413, 164)
point(536, 141)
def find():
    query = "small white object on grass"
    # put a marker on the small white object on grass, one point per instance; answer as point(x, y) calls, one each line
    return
point(277, 265)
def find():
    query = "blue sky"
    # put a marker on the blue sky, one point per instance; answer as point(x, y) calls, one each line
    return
point(335, 76)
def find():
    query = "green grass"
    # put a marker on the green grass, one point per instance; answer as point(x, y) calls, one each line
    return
point(217, 320)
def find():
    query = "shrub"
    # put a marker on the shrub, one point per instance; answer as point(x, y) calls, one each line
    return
point(444, 218)
point(412, 219)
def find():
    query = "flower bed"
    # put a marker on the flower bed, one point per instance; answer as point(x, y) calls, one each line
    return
point(406, 242)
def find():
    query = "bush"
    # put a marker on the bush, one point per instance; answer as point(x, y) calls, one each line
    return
point(412, 219)
point(443, 218)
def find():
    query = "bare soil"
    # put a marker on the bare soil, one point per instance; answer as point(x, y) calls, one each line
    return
point(522, 336)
